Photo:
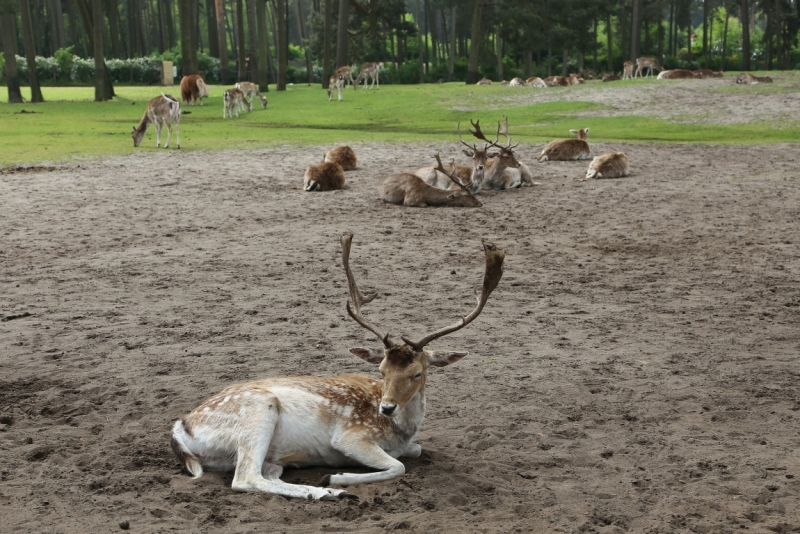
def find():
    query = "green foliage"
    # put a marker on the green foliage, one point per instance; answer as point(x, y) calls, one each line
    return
point(64, 58)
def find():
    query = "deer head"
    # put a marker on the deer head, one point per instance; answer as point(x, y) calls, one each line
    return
point(479, 157)
point(404, 366)
point(583, 133)
point(506, 155)
point(137, 136)
point(465, 197)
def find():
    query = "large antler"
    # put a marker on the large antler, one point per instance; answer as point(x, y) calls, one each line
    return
point(491, 277)
point(452, 176)
point(356, 298)
point(474, 148)
point(479, 134)
point(502, 129)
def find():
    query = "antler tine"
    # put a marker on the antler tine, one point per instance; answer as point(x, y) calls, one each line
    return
point(356, 298)
point(452, 175)
point(458, 127)
point(491, 277)
point(502, 129)
point(479, 134)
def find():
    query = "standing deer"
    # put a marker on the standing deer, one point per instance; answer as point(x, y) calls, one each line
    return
point(193, 88)
point(232, 101)
point(344, 156)
point(251, 92)
point(258, 428)
point(627, 70)
point(612, 165)
point(409, 190)
point(161, 110)
point(648, 63)
point(336, 82)
point(472, 177)
point(371, 71)
point(567, 149)
point(347, 74)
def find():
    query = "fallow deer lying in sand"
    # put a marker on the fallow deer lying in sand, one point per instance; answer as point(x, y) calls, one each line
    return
point(193, 88)
point(344, 156)
point(516, 82)
point(324, 176)
point(258, 428)
point(535, 81)
point(611, 78)
point(648, 63)
point(162, 110)
point(675, 74)
point(251, 92)
point(371, 71)
point(567, 149)
point(707, 73)
point(627, 70)
point(484, 81)
point(472, 177)
point(503, 170)
point(409, 190)
point(612, 165)
point(232, 101)
point(751, 79)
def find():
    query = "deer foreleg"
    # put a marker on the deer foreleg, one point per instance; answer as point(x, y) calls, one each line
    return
point(367, 453)
point(158, 133)
point(178, 134)
point(340, 93)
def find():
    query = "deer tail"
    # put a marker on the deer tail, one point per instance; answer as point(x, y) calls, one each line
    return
point(188, 460)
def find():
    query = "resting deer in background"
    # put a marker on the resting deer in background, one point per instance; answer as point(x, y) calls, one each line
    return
point(535, 81)
point(371, 71)
point(251, 91)
point(612, 165)
point(408, 189)
point(627, 70)
point(232, 101)
point(258, 428)
point(648, 63)
point(751, 79)
point(484, 81)
point(516, 82)
point(675, 74)
point(707, 73)
point(193, 88)
point(613, 77)
point(472, 177)
point(344, 156)
point(162, 110)
point(567, 149)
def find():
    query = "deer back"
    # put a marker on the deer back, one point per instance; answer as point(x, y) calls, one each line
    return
point(410, 190)
point(325, 176)
point(344, 156)
point(611, 165)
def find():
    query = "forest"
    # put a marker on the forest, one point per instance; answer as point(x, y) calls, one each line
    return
point(104, 42)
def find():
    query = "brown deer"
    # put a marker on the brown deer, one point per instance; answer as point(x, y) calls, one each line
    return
point(484, 81)
point(573, 79)
point(516, 82)
point(232, 101)
point(648, 63)
point(612, 165)
point(347, 74)
point(344, 156)
point(556, 81)
point(193, 88)
point(324, 176)
point(567, 149)
point(251, 92)
point(502, 169)
point(338, 83)
point(258, 428)
point(675, 74)
point(410, 190)
point(611, 78)
point(162, 110)
point(535, 81)
point(751, 79)
point(371, 71)
point(472, 177)
point(627, 70)
point(706, 73)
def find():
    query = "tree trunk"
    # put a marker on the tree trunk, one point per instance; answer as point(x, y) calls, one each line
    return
point(499, 51)
point(100, 92)
point(779, 34)
point(636, 29)
point(282, 44)
point(211, 24)
point(745, 19)
point(326, 43)
point(594, 48)
point(564, 60)
point(188, 47)
point(60, 37)
point(473, 76)
point(263, 45)
point(252, 27)
point(301, 28)
point(221, 40)
point(451, 63)
point(671, 22)
point(725, 37)
point(116, 35)
point(660, 41)
point(341, 36)
point(705, 34)
point(240, 48)
point(30, 50)
point(609, 45)
point(172, 39)
point(419, 43)
point(7, 16)
point(549, 55)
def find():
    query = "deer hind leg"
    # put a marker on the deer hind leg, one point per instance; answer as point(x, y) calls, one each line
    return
point(178, 134)
point(368, 453)
point(158, 133)
point(169, 134)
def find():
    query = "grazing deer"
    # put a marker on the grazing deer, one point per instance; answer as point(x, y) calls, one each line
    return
point(409, 190)
point(535, 81)
point(251, 92)
point(336, 82)
point(516, 82)
point(161, 110)
point(707, 73)
point(612, 165)
point(484, 81)
point(567, 149)
point(751, 79)
point(611, 78)
point(258, 428)
point(675, 74)
point(627, 70)
point(648, 63)
point(344, 156)
point(371, 71)
point(193, 88)
point(325, 176)
point(347, 74)
point(232, 101)
point(472, 177)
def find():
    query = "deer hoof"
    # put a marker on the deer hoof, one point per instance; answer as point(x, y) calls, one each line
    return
point(348, 495)
point(326, 481)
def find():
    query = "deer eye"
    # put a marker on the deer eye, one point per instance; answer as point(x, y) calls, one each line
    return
point(418, 375)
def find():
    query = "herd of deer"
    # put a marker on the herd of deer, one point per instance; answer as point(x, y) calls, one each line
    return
point(339, 79)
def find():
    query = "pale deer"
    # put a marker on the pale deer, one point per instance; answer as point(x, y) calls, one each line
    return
point(344, 156)
point(258, 428)
point(556, 81)
point(567, 149)
point(371, 71)
point(193, 88)
point(613, 77)
point(410, 190)
point(675, 74)
point(504, 83)
point(751, 79)
point(251, 92)
point(472, 177)
point(535, 81)
point(516, 82)
point(648, 63)
point(503, 170)
point(707, 73)
point(161, 110)
point(232, 102)
point(627, 70)
point(324, 176)
point(484, 81)
point(612, 165)
point(336, 82)
point(347, 74)
point(573, 79)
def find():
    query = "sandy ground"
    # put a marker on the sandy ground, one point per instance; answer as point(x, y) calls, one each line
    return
point(635, 371)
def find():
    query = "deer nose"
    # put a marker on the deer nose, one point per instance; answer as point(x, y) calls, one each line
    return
point(388, 409)
point(519, 165)
point(480, 167)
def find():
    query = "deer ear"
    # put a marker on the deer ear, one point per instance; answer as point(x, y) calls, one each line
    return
point(368, 355)
point(493, 155)
point(468, 153)
point(440, 358)
point(574, 132)
point(586, 131)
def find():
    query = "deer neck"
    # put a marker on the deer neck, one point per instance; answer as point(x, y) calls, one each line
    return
point(493, 170)
point(407, 423)
point(144, 123)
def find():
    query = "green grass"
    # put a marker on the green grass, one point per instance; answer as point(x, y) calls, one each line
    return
point(70, 125)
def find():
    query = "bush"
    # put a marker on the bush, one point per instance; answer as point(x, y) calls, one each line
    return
point(64, 58)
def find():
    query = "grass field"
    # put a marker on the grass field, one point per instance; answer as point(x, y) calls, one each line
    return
point(69, 124)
